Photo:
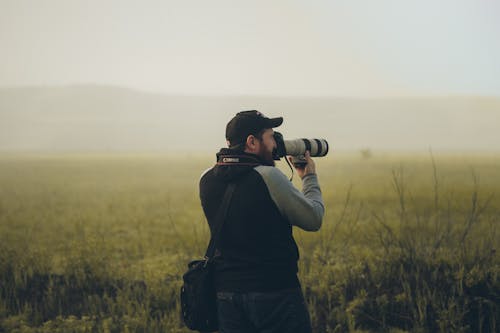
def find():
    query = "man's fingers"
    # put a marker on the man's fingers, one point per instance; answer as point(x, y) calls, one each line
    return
point(308, 156)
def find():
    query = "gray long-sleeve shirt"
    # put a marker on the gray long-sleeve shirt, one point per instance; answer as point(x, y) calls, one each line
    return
point(303, 209)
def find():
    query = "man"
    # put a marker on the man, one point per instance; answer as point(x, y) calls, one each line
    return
point(256, 262)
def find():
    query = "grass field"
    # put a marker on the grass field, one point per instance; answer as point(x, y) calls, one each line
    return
point(98, 243)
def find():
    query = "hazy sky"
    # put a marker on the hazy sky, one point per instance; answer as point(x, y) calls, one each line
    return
point(337, 48)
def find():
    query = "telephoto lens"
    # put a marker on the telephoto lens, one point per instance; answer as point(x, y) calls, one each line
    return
point(298, 147)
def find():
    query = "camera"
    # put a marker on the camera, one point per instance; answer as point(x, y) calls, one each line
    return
point(298, 147)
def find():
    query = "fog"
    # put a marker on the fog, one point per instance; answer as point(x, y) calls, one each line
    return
point(163, 76)
point(92, 118)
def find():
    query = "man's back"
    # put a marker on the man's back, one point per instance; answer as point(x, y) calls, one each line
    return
point(257, 249)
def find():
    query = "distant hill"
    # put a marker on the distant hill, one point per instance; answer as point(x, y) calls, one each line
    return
point(105, 118)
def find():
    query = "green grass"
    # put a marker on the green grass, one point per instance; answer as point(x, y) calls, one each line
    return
point(98, 243)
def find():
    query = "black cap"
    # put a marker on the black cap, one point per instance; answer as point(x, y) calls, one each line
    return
point(248, 122)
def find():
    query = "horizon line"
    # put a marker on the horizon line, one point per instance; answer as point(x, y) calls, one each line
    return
point(249, 95)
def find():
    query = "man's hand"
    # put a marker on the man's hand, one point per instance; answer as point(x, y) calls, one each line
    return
point(309, 168)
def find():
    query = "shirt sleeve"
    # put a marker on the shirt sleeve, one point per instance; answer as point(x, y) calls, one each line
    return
point(303, 209)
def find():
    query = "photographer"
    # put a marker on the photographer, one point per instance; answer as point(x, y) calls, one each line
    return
point(256, 262)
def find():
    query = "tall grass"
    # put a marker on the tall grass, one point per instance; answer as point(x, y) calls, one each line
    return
point(427, 266)
point(98, 244)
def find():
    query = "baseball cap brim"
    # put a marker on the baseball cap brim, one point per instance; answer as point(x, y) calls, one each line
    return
point(274, 122)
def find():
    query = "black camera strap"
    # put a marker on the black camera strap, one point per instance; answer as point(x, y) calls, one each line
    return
point(291, 169)
point(220, 217)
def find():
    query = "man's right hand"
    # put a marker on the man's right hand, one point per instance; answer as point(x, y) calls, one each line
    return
point(309, 168)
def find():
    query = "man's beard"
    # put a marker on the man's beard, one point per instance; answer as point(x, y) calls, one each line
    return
point(266, 156)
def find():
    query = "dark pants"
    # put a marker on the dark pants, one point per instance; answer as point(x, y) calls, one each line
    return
point(263, 312)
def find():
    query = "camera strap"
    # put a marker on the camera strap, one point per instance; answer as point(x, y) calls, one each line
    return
point(288, 162)
point(234, 159)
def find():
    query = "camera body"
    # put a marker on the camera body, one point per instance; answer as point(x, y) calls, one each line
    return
point(298, 147)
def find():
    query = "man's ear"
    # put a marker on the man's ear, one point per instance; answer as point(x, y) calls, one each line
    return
point(250, 142)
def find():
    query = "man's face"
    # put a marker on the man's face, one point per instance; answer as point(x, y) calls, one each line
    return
point(267, 145)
